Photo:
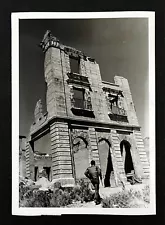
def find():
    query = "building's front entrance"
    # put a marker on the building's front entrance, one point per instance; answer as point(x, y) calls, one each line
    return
point(106, 163)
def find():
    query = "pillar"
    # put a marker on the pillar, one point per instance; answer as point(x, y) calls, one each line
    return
point(61, 154)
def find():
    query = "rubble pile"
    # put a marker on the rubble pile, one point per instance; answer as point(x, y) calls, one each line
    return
point(44, 184)
point(41, 184)
point(26, 181)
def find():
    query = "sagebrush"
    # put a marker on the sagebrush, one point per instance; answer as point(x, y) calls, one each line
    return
point(125, 198)
point(58, 197)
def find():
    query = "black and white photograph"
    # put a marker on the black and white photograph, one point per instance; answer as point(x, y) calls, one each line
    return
point(83, 113)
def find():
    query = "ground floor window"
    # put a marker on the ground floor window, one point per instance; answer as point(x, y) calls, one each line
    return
point(48, 172)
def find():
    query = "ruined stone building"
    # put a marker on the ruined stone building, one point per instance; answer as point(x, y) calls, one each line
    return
point(86, 119)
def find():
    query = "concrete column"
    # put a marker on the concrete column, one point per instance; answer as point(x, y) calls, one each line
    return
point(118, 163)
point(61, 154)
point(142, 156)
point(94, 146)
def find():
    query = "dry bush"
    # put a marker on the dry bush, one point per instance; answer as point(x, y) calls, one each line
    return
point(146, 194)
point(127, 199)
point(59, 197)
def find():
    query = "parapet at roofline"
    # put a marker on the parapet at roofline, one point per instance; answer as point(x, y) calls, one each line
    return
point(50, 40)
point(113, 84)
point(81, 54)
point(88, 124)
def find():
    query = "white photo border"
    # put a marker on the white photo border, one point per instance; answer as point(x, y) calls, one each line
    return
point(15, 17)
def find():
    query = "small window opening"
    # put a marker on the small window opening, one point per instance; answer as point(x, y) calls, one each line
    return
point(47, 170)
point(79, 98)
point(35, 173)
point(74, 64)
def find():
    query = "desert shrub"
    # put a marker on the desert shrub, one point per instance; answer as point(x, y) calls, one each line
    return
point(125, 199)
point(38, 198)
point(23, 190)
point(30, 196)
point(134, 194)
point(75, 193)
point(60, 198)
point(57, 185)
point(84, 191)
point(119, 200)
point(146, 194)
point(80, 192)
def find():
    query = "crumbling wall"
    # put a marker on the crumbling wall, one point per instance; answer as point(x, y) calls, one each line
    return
point(29, 159)
point(97, 96)
point(56, 105)
point(128, 101)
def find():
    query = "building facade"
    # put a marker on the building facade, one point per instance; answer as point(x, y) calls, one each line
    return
point(86, 119)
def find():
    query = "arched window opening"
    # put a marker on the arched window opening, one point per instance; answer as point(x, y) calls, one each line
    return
point(106, 162)
point(127, 158)
point(80, 157)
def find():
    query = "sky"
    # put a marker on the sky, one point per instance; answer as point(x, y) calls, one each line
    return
point(119, 46)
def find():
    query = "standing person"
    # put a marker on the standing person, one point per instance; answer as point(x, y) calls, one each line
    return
point(93, 173)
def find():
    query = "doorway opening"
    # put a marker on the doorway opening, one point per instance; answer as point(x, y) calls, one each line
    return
point(35, 173)
point(106, 162)
point(48, 172)
point(127, 158)
point(80, 157)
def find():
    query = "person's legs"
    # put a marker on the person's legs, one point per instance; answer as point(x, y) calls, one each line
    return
point(97, 196)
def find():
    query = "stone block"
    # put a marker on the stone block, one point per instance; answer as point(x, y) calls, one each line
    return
point(61, 153)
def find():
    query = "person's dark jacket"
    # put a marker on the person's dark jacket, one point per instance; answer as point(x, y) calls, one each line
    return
point(93, 173)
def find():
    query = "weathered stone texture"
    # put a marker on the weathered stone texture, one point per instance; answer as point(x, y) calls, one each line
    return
point(29, 161)
point(128, 102)
point(137, 137)
point(58, 131)
point(56, 104)
point(94, 146)
point(119, 172)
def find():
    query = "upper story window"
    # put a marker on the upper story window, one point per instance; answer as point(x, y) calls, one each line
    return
point(115, 104)
point(79, 101)
point(74, 64)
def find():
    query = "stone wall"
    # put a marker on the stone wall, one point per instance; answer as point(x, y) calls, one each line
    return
point(128, 136)
point(142, 156)
point(61, 153)
point(128, 101)
point(22, 157)
point(59, 92)
point(56, 105)
point(22, 164)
